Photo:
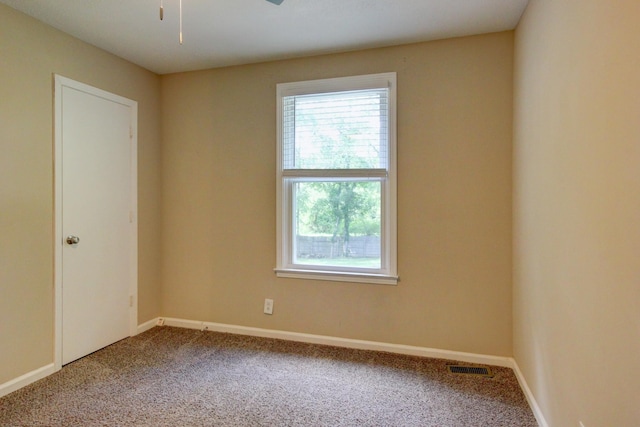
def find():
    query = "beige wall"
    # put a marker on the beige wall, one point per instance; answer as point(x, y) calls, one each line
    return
point(454, 200)
point(30, 53)
point(577, 209)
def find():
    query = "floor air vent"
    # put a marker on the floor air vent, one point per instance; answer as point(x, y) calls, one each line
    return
point(470, 370)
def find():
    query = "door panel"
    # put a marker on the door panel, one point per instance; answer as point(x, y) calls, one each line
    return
point(96, 175)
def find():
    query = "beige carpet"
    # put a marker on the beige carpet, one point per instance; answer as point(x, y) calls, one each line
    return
point(179, 377)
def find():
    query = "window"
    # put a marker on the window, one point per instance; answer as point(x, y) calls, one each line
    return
point(336, 175)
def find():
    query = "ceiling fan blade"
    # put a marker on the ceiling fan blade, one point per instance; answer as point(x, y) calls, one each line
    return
point(277, 2)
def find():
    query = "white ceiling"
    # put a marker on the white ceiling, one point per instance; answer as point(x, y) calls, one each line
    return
point(230, 32)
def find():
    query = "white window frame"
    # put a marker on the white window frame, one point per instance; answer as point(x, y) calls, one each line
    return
point(387, 274)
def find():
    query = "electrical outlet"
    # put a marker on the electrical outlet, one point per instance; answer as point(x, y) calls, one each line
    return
point(268, 306)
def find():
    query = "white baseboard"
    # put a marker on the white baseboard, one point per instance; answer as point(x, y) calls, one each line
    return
point(147, 325)
point(26, 379)
point(343, 342)
point(535, 408)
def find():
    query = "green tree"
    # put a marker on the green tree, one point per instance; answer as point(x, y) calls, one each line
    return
point(341, 209)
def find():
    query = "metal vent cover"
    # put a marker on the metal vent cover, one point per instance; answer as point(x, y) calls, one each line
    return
point(482, 371)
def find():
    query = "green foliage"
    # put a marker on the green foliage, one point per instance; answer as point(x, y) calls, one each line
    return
point(340, 209)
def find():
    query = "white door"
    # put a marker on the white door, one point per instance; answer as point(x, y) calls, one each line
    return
point(95, 164)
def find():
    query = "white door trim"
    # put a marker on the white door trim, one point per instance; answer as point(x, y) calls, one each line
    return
point(61, 82)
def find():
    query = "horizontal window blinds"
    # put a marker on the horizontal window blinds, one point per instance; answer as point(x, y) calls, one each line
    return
point(340, 130)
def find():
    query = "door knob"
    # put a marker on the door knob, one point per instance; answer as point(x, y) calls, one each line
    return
point(73, 240)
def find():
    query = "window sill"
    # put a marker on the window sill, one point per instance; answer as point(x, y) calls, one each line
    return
point(337, 276)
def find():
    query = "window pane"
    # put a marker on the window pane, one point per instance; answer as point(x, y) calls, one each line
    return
point(343, 130)
point(337, 223)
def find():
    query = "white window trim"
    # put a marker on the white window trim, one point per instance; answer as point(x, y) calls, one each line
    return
point(388, 273)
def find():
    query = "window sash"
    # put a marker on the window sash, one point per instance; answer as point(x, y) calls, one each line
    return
point(335, 173)
point(292, 229)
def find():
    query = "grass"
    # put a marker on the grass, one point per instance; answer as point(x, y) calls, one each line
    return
point(342, 262)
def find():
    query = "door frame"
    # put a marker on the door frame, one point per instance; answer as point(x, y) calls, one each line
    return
point(61, 82)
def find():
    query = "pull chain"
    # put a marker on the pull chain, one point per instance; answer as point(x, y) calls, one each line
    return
point(162, 16)
point(180, 21)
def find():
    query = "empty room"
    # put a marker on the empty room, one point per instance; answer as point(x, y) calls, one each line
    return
point(320, 212)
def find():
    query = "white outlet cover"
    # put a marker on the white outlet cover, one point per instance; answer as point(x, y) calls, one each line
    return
point(268, 306)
